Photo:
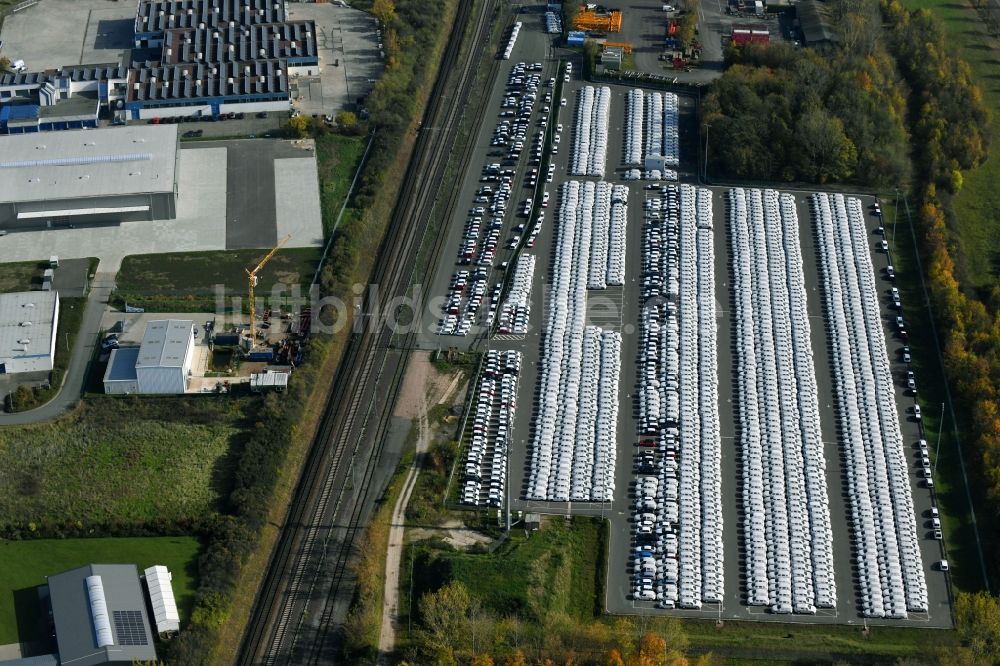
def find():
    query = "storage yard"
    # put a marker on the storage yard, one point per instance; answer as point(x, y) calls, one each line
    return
point(711, 369)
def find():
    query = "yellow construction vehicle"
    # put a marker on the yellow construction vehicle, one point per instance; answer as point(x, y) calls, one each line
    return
point(252, 279)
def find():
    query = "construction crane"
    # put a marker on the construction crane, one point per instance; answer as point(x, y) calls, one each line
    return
point(252, 279)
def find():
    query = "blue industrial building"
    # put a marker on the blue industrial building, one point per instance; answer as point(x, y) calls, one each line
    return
point(208, 58)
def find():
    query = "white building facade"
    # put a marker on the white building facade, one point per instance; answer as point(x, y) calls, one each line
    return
point(165, 356)
point(29, 323)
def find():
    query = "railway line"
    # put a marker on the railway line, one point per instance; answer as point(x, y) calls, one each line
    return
point(308, 574)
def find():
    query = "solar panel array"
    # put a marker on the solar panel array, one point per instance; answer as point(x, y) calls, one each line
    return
point(129, 628)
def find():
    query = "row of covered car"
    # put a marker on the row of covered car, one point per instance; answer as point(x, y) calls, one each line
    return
point(516, 308)
point(677, 530)
point(883, 520)
point(572, 451)
point(786, 514)
point(590, 132)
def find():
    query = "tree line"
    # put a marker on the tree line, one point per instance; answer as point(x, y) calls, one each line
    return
point(892, 106)
point(949, 123)
point(455, 628)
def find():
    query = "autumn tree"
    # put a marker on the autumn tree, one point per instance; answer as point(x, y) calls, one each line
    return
point(299, 125)
point(384, 11)
point(977, 618)
point(652, 650)
point(481, 660)
point(516, 659)
point(615, 659)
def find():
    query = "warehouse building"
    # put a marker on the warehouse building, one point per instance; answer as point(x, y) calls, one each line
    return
point(29, 323)
point(84, 176)
point(67, 98)
point(199, 60)
point(99, 613)
point(160, 365)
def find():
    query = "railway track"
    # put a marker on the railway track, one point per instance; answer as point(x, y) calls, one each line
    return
point(310, 560)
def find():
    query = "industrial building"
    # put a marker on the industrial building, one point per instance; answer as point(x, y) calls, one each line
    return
point(99, 613)
point(160, 365)
point(29, 323)
point(84, 176)
point(192, 58)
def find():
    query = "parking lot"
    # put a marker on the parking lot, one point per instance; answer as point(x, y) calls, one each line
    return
point(347, 42)
point(617, 309)
point(54, 33)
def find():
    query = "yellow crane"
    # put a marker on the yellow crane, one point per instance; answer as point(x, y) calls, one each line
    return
point(252, 278)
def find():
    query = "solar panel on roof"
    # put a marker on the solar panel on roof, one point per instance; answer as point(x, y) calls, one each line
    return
point(129, 628)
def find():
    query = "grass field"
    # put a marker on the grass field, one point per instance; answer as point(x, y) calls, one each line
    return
point(950, 485)
point(120, 461)
point(557, 569)
point(188, 281)
point(775, 643)
point(21, 276)
point(977, 206)
point(27, 563)
point(337, 158)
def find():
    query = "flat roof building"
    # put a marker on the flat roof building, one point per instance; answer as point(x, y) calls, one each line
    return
point(192, 58)
point(120, 377)
point(164, 361)
point(100, 617)
point(115, 174)
point(29, 322)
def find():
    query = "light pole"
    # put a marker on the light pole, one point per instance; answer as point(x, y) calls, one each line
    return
point(705, 167)
point(937, 447)
point(895, 214)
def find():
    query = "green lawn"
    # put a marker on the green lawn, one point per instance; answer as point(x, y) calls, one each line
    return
point(956, 516)
point(27, 563)
point(21, 276)
point(772, 642)
point(977, 206)
point(189, 281)
point(121, 461)
point(556, 569)
point(337, 158)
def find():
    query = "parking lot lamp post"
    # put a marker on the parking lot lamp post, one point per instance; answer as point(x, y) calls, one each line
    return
point(937, 447)
point(705, 167)
point(895, 214)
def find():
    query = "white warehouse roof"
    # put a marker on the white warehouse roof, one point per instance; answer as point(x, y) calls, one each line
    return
point(161, 596)
point(71, 164)
point(165, 344)
point(27, 323)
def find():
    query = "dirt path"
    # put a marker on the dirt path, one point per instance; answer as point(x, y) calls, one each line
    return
point(422, 381)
